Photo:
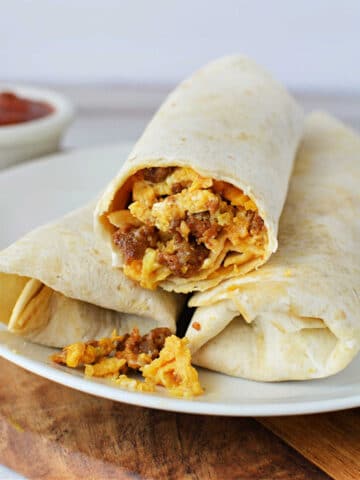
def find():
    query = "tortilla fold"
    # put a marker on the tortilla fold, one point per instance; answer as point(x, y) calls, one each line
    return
point(199, 198)
point(57, 287)
point(297, 317)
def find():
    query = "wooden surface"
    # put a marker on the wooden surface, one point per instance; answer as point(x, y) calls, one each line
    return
point(52, 432)
point(331, 441)
point(48, 432)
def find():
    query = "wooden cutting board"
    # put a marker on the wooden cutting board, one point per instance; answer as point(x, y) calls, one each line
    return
point(48, 431)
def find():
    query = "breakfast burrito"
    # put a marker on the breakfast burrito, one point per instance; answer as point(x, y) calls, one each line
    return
point(297, 317)
point(57, 287)
point(199, 198)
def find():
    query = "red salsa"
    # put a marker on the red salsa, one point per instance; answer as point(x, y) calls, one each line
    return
point(14, 109)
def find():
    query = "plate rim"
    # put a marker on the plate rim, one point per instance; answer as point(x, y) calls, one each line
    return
point(64, 377)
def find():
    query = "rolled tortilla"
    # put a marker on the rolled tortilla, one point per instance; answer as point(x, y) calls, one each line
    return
point(199, 198)
point(297, 317)
point(57, 287)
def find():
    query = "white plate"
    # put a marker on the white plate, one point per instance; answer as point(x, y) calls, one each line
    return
point(39, 192)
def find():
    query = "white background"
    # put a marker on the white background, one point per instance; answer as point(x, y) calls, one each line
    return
point(308, 44)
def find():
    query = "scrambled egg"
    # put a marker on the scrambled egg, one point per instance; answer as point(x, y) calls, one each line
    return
point(133, 384)
point(172, 369)
point(82, 353)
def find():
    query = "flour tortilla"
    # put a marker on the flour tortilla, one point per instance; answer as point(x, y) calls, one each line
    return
point(298, 316)
point(230, 121)
point(57, 287)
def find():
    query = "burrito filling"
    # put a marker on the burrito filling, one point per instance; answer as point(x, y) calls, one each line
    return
point(171, 221)
point(162, 358)
point(134, 349)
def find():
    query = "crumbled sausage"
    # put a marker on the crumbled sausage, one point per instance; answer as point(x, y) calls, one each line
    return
point(134, 349)
point(198, 223)
point(157, 174)
point(187, 258)
point(177, 188)
point(201, 227)
point(174, 224)
point(138, 350)
point(135, 241)
point(154, 341)
point(256, 223)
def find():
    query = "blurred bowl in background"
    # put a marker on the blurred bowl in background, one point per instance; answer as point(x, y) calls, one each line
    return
point(33, 138)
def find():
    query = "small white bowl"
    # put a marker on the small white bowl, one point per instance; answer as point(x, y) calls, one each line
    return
point(32, 139)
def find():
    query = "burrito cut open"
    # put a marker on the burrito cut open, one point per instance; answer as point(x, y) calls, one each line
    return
point(298, 317)
point(199, 198)
point(57, 287)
